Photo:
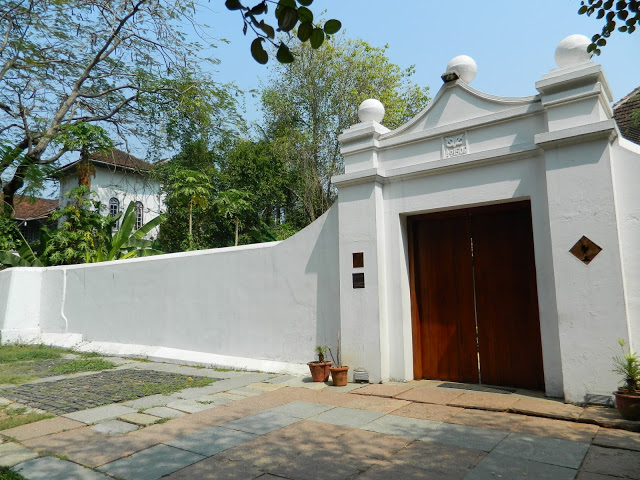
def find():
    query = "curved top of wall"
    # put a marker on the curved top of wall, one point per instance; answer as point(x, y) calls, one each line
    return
point(455, 102)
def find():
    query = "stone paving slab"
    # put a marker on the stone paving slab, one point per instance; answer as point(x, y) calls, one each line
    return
point(165, 412)
point(265, 386)
point(462, 436)
point(218, 399)
point(190, 406)
point(594, 476)
point(306, 382)
point(376, 404)
point(605, 461)
point(441, 396)
point(383, 390)
point(485, 401)
point(245, 392)
point(546, 450)
point(211, 441)
point(349, 387)
point(11, 454)
point(495, 466)
point(100, 414)
point(439, 459)
point(114, 427)
point(547, 408)
point(150, 401)
point(402, 426)
point(151, 464)
point(41, 428)
point(142, 419)
point(371, 444)
point(347, 417)
point(617, 439)
point(48, 468)
point(608, 417)
point(215, 469)
point(301, 409)
point(507, 422)
point(260, 423)
point(547, 427)
point(400, 471)
point(428, 411)
point(305, 467)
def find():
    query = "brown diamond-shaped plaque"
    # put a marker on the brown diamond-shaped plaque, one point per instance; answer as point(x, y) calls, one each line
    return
point(585, 250)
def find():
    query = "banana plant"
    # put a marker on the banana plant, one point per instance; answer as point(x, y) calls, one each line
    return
point(24, 256)
point(126, 243)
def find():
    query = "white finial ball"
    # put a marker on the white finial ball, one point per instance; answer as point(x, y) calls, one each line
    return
point(572, 50)
point(465, 66)
point(371, 110)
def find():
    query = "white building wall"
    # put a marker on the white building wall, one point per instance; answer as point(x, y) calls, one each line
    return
point(626, 174)
point(262, 306)
point(126, 186)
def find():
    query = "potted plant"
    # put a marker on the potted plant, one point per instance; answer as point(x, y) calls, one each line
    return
point(319, 369)
point(338, 371)
point(628, 396)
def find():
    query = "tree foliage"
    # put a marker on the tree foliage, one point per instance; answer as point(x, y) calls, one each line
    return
point(623, 14)
point(290, 16)
point(64, 63)
point(310, 102)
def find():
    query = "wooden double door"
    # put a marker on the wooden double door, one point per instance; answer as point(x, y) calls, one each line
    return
point(474, 296)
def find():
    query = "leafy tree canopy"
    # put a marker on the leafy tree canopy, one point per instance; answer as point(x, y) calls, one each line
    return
point(308, 103)
point(623, 14)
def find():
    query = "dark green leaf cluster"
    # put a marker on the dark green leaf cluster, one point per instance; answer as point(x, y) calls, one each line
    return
point(623, 14)
point(289, 15)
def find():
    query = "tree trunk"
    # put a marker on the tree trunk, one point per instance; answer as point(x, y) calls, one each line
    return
point(190, 215)
point(237, 227)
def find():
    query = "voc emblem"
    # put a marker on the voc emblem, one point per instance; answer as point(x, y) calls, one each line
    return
point(455, 145)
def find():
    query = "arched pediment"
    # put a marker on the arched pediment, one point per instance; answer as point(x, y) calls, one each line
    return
point(457, 102)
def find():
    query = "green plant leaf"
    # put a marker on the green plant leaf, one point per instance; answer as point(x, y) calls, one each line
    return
point(305, 3)
point(287, 19)
point(317, 37)
point(284, 54)
point(305, 15)
point(233, 4)
point(267, 29)
point(332, 26)
point(258, 52)
point(304, 31)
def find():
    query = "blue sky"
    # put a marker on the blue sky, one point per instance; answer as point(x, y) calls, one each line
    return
point(512, 42)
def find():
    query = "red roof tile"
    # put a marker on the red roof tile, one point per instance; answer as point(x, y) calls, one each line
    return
point(29, 208)
point(622, 113)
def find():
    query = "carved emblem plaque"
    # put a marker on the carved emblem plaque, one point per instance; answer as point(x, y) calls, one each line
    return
point(455, 145)
point(585, 250)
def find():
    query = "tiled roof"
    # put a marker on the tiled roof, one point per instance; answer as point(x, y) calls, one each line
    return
point(622, 114)
point(29, 208)
point(121, 159)
point(114, 159)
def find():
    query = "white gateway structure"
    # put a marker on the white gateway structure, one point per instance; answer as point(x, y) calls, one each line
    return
point(488, 240)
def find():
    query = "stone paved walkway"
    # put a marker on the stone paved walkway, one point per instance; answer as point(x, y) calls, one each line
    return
point(253, 425)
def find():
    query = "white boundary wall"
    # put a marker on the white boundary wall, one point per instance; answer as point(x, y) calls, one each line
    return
point(262, 306)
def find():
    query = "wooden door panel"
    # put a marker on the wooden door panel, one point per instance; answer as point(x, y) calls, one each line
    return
point(443, 286)
point(506, 297)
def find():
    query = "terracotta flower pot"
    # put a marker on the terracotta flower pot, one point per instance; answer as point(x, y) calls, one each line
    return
point(628, 405)
point(339, 376)
point(319, 371)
